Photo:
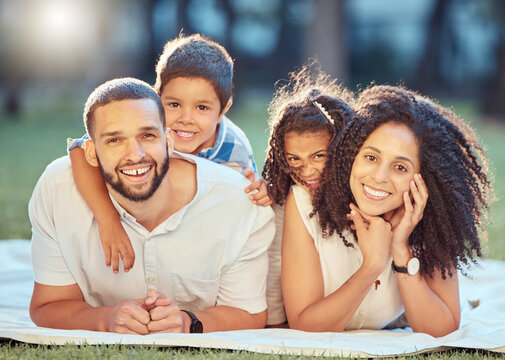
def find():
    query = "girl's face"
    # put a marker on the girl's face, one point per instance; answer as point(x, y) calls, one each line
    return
point(306, 153)
point(383, 169)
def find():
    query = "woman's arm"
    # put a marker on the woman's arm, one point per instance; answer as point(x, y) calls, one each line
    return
point(302, 280)
point(431, 303)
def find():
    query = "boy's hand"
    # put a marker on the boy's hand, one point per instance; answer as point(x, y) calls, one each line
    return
point(260, 197)
point(115, 242)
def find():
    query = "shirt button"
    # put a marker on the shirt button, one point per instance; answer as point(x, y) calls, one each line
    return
point(150, 279)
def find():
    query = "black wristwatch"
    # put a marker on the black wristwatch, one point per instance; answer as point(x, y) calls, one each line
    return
point(196, 325)
point(412, 267)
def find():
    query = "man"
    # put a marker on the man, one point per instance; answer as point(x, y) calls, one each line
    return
point(200, 243)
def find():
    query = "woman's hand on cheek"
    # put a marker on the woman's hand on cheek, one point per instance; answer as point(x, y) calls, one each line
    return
point(374, 238)
point(406, 218)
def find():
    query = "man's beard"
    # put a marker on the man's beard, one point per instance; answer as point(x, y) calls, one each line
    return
point(125, 190)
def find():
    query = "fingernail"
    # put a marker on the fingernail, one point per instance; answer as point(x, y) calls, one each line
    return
point(149, 299)
point(353, 212)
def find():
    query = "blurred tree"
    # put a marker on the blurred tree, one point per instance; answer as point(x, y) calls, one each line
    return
point(12, 62)
point(182, 17)
point(429, 73)
point(493, 103)
point(151, 50)
point(326, 38)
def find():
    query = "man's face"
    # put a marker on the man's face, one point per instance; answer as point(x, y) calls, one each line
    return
point(130, 147)
point(192, 112)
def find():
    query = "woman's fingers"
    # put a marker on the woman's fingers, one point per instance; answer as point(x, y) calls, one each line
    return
point(420, 194)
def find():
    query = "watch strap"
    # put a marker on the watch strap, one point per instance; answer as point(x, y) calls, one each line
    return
point(399, 269)
point(196, 326)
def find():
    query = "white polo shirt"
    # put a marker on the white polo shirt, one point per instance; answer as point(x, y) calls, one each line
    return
point(211, 252)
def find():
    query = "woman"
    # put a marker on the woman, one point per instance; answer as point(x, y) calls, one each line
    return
point(399, 213)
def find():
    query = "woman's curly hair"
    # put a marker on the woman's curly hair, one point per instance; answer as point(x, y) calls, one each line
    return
point(292, 109)
point(453, 166)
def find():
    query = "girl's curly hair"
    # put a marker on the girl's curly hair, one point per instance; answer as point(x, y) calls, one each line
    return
point(453, 166)
point(293, 109)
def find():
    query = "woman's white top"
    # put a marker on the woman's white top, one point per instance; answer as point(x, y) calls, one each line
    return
point(383, 303)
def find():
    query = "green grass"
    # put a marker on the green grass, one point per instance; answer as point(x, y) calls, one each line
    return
point(117, 352)
point(37, 136)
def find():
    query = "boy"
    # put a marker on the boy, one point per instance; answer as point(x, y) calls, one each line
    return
point(194, 78)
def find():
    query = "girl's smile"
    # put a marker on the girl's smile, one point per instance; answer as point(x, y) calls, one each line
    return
point(306, 154)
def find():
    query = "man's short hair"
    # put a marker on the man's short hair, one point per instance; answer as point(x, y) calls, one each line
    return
point(196, 56)
point(116, 90)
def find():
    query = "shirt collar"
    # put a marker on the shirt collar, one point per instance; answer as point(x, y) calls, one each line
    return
point(173, 222)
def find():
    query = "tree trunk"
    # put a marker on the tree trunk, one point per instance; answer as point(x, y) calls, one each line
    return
point(428, 71)
point(326, 38)
point(494, 104)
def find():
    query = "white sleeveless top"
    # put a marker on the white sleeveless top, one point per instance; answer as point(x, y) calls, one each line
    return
point(383, 303)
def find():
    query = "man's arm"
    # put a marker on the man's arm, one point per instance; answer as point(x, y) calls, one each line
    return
point(223, 318)
point(167, 317)
point(63, 307)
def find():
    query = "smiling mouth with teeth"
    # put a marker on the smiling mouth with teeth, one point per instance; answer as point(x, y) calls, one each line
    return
point(136, 172)
point(184, 134)
point(376, 193)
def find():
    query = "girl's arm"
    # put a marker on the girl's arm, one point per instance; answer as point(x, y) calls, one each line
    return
point(431, 303)
point(302, 280)
point(113, 236)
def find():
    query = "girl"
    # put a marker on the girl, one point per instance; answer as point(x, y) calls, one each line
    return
point(405, 247)
point(305, 115)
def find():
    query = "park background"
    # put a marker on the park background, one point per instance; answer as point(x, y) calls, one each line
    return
point(53, 53)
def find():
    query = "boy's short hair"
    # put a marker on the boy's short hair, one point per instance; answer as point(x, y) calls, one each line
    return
point(196, 56)
point(116, 90)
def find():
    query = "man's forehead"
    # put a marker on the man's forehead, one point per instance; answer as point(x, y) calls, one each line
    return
point(127, 113)
point(143, 105)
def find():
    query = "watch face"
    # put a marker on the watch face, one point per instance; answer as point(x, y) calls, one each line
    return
point(197, 327)
point(413, 266)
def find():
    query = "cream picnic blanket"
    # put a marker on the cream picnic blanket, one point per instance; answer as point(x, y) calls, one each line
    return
point(482, 327)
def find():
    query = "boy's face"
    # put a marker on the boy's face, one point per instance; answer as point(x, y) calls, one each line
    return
point(192, 111)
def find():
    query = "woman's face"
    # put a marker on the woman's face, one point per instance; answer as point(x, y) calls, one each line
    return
point(383, 169)
point(306, 153)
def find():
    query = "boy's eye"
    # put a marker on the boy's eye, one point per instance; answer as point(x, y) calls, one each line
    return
point(202, 107)
point(112, 140)
point(173, 104)
point(149, 135)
